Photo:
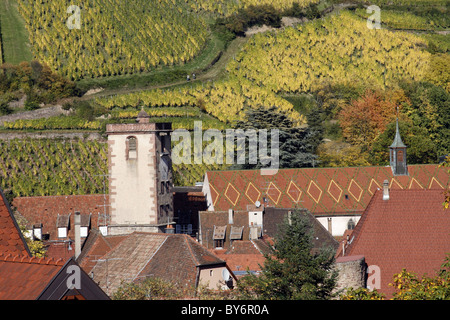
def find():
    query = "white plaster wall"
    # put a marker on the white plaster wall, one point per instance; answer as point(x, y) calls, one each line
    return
point(133, 194)
point(338, 224)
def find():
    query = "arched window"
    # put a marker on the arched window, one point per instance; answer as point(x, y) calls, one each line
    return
point(131, 148)
point(351, 224)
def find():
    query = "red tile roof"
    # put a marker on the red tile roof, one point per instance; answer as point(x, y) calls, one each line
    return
point(320, 190)
point(131, 257)
point(410, 230)
point(25, 278)
point(46, 209)
point(243, 255)
point(11, 239)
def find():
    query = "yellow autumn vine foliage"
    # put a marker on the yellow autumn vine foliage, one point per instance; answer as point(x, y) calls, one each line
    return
point(114, 37)
point(339, 48)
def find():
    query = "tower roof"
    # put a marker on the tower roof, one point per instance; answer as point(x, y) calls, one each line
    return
point(142, 116)
point(398, 143)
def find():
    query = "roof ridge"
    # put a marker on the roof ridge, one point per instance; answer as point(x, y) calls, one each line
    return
point(257, 248)
point(357, 231)
point(154, 253)
point(190, 250)
point(31, 260)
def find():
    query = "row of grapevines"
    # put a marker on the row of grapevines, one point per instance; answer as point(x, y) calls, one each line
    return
point(227, 7)
point(405, 20)
point(427, 3)
point(39, 167)
point(43, 167)
point(340, 48)
point(53, 123)
point(226, 100)
point(156, 112)
point(1, 51)
point(114, 37)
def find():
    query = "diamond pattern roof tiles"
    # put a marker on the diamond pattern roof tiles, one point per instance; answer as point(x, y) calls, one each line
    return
point(320, 190)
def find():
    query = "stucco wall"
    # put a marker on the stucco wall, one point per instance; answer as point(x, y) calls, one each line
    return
point(212, 278)
point(338, 223)
point(133, 189)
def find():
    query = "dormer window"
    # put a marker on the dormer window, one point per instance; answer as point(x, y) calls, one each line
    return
point(131, 148)
point(37, 231)
point(219, 236)
point(62, 223)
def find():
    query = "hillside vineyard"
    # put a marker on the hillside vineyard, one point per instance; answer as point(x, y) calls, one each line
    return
point(114, 38)
point(226, 100)
point(47, 167)
point(339, 48)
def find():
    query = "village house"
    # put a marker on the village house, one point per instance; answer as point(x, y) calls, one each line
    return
point(228, 223)
point(237, 236)
point(24, 277)
point(116, 259)
point(400, 229)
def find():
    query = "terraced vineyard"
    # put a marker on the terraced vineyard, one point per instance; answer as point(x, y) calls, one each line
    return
point(227, 7)
point(114, 37)
point(225, 100)
point(339, 49)
point(52, 167)
point(41, 167)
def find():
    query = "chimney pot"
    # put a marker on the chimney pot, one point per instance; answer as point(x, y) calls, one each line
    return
point(386, 190)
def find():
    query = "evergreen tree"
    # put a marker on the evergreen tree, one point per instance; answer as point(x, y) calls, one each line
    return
point(296, 144)
point(294, 271)
point(315, 125)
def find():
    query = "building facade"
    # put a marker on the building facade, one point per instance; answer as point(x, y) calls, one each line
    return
point(140, 176)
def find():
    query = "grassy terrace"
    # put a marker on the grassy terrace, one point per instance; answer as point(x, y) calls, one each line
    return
point(14, 37)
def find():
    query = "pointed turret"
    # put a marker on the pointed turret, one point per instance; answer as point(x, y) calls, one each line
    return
point(397, 154)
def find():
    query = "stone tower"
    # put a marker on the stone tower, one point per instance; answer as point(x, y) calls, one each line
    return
point(140, 176)
point(397, 155)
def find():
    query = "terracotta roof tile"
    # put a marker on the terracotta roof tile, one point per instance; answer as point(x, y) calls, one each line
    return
point(320, 190)
point(54, 211)
point(11, 239)
point(173, 257)
point(24, 277)
point(410, 230)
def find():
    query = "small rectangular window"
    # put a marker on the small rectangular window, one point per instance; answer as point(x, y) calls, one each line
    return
point(62, 232)
point(83, 232)
point(218, 244)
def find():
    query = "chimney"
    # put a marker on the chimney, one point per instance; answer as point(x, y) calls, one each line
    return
point(386, 190)
point(170, 229)
point(230, 216)
point(77, 234)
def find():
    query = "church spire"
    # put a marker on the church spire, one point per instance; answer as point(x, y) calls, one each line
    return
point(398, 143)
point(397, 153)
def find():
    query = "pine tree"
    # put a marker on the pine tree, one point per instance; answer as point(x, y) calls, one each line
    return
point(296, 144)
point(294, 271)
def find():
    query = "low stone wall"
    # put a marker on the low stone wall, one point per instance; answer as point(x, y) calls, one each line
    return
point(34, 114)
point(52, 135)
point(352, 272)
